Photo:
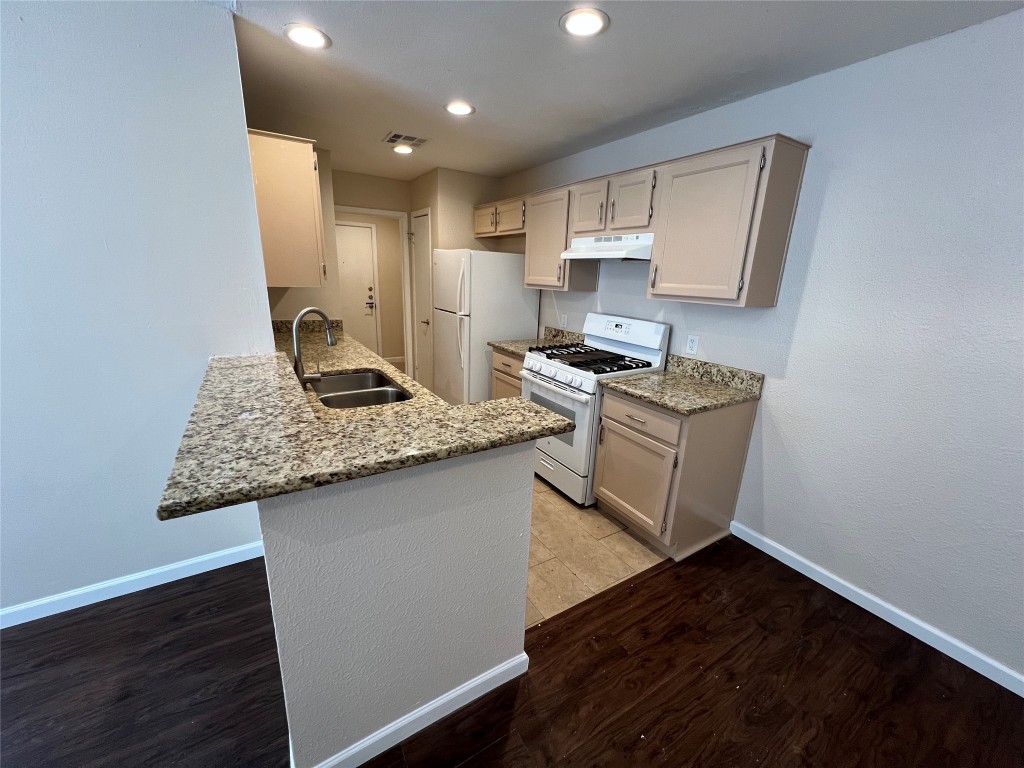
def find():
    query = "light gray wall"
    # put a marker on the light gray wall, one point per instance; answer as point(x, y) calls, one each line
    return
point(131, 254)
point(888, 447)
point(393, 590)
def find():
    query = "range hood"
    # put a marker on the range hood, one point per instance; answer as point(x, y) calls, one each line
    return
point(616, 247)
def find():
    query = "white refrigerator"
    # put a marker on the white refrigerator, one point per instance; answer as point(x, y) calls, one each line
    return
point(478, 297)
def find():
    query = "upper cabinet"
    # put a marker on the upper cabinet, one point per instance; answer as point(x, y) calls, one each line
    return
point(722, 223)
point(500, 219)
point(621, 203)
point(546, 219)
point(288, 205)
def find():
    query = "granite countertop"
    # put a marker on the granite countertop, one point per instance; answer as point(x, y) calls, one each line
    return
point(517, 348)
point(689, 386)
point(255, 433)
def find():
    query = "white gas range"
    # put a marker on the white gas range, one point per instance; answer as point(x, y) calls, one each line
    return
point(564, 378)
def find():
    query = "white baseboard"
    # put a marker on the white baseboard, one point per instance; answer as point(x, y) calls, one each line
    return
point(429, 713)
point(133, 582)
point(936, 638)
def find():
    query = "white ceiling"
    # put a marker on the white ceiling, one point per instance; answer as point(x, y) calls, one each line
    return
point(540, 94)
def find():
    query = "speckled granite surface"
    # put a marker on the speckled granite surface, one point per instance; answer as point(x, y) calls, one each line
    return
point(254, 433)
point(689, 386)
point(734, 378)
point(311, 323)
point(678, 392)
point(519, 347)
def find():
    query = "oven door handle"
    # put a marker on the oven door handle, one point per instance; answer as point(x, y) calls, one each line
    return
point(543, 384)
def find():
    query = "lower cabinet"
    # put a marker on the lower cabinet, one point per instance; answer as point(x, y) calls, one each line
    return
point(504, 379)
point(673, 479)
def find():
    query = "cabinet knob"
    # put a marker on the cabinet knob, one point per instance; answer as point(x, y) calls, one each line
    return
point(425, 322)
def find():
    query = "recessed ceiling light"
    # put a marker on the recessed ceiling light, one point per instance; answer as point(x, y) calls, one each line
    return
point(307, 36)
point(584, 22)
point(403, 149)
point(460, 108)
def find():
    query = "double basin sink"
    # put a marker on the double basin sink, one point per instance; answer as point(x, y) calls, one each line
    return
point(357, 390)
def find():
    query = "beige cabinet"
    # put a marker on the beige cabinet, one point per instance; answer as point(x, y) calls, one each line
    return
point(634, 475)
point(500, 219)
point(485, 220)
point(620, 203)
point(287, 187)
point(505, 380)
point(722, 223)
point(588, 207)
point(673, 479)
point(547, 217)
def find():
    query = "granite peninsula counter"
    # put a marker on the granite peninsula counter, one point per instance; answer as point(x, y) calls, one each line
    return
point(255, 433)
point(396, 538)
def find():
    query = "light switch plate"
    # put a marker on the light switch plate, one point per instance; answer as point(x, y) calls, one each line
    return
point(563, 319)
point(691, 344)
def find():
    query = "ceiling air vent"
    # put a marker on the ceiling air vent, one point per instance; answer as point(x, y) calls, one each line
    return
point(401, 138)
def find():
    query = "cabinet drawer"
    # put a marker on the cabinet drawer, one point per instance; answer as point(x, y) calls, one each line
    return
point(642, 419)
point(507, 364)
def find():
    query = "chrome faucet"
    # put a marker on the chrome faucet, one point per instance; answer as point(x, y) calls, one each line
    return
point(304, 377)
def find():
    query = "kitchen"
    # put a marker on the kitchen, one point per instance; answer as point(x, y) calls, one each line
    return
point(857, 304)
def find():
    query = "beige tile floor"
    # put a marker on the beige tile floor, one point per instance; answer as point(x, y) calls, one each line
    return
point(576, 553)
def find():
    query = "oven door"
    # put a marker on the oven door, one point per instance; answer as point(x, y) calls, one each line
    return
point(571, 449)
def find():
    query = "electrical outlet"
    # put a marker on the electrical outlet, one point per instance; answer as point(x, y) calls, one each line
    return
point(691, 344)
point(563, 320)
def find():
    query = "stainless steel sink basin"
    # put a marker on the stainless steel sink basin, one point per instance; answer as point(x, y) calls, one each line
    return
point(351, 382)
point(364, 397)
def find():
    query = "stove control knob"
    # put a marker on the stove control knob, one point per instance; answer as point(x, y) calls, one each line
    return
point(577, 381)
point(563, 376)
point(548, 371)
point(530, 365)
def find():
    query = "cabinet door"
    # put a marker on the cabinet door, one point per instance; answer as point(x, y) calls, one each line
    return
point(510, 216)
point(288, 206)
point(503, 385)
point(634, 475)
point(484, 220)
point(702, 225)
point(629, 200)
point(588, 207)
point(547, 217)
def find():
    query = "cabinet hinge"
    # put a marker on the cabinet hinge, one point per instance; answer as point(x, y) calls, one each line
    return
point(325, 269)
point(600, 436)
point(412, 237)
point(762, 158)
point(664, 523)
point(740, 286)
point(315, 168)
point(654, 183)
point(675, 462)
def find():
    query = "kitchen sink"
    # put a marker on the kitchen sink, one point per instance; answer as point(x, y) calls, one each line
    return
point(351, 382)
point(364, 397)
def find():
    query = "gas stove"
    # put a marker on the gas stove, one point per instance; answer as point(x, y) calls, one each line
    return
point(613, 346)
point(564, 378)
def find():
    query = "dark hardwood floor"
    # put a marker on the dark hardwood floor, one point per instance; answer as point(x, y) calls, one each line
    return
point(727, 659)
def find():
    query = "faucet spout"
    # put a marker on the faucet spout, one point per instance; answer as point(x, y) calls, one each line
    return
point(304, 377)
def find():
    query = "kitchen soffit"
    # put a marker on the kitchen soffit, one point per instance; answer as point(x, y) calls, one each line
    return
point(539, 93)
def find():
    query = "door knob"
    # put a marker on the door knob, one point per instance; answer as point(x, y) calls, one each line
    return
point(370, 305)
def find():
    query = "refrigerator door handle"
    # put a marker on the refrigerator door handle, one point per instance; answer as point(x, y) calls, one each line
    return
point(459, 309)
point(458, 325)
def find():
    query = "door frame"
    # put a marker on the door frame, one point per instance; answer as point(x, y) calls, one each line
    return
point(403, 235)
point(409, 255)
point(376, 272)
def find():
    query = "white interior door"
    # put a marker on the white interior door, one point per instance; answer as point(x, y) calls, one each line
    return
point(357, 267)
point(423, 338)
